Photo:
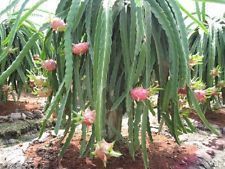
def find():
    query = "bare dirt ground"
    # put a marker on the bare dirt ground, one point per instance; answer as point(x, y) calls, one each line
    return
point(27, 102)
point(163, 153)
point(200, 150)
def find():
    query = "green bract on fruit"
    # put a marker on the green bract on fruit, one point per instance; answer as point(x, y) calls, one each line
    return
point(38, 80)
point(80, 48)
point(49, 65)
point(58, 24)
point(221, 84)
point(215, 72)
point(195, 60)
point(212, 91)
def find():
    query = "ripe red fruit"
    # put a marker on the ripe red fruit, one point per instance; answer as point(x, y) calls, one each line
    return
point(80, 48)
point(49, 65)
point(89, 117)
point(200, 95)
point(58, 24)
point(182, 91)
point(139, 94)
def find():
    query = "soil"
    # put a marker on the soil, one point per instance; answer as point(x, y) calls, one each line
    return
point(216, 117)
point(20, 118)
point(27, 102)
point(164, 153)
point(195, 152)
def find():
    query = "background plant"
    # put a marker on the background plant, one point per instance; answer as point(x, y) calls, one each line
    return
point(210, 45)
point(20, 41)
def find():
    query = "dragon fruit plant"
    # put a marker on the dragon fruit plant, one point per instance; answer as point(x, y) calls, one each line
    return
point(121, 45)
point(209, 44)
point(201, 93)
point(20, 40)
point(98, 53)
point(39, 78)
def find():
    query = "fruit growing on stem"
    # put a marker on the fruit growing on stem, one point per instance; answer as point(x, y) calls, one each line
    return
point(89, 117)
point(80, 48)
point(49, 65)
point(104, 150)
point(139, 94)
point(200, 95)
point(182, 91)
point(58, 24)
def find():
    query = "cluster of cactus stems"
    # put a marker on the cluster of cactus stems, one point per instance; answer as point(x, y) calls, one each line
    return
point(102, 58)
point(209, 48)
point(19, 40)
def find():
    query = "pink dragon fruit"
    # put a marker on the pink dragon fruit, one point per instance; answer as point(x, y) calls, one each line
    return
point(139, 94)
point(58, 24)
point(104, 150)
point(89, 117)
point(80, 48)
point(200, 95)
point(49, 65)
